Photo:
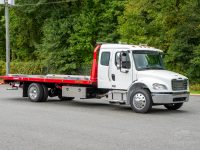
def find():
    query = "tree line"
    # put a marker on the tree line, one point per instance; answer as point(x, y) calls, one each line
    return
point(58, 35)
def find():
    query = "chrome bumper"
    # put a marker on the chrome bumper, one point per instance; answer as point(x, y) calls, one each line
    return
point(166, 98)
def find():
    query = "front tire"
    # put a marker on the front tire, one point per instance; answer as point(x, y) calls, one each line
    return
point(173, 106)
point(140, 100)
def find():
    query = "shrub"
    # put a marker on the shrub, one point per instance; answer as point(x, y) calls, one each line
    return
point(23, 68)
point(2, 68)
point(195, 87)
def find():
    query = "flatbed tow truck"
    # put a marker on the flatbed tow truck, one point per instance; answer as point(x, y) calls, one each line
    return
point(128, 74)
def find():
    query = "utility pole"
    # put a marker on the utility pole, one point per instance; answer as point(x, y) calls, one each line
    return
point(7, 38)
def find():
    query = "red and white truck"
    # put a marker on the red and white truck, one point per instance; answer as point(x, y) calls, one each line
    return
point(128, 74)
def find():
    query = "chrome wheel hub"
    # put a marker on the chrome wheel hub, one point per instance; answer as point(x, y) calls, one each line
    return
point(33, 92)
point(139, 101)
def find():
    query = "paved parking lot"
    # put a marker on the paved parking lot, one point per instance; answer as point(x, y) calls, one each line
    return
point(94, 125)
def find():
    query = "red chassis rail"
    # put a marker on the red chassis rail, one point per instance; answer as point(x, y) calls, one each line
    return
point(91, 81)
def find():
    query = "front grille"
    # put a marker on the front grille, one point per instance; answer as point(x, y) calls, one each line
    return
point(178, 85)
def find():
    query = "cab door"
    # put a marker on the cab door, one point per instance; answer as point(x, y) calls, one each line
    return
point(122, 70)
point(105, 58)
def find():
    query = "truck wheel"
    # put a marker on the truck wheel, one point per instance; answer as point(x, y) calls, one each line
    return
point(45, 94)
point(173, 106)
point(140, 101)
point(35, 92)
point(65, 98)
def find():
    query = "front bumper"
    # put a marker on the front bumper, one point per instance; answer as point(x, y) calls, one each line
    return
point(167, 98)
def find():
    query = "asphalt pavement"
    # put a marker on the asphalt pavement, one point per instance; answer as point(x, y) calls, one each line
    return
point(94, 125)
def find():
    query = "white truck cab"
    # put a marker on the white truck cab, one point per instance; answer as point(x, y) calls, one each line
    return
point(136, 75)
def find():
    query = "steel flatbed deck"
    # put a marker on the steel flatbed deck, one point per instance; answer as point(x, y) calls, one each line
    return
point(50, 78)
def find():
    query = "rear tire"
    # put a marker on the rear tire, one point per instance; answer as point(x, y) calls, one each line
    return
point(35, 92)
point(173, 106)
point(45, 94)
point(140, 100)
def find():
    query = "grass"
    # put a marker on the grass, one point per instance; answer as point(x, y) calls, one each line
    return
point(195, 88)
point(194, 92)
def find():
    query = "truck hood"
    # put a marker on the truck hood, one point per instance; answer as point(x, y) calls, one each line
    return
point(163, 75)
point(149, 77)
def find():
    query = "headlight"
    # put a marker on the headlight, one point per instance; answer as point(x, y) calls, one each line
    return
point(157, 86)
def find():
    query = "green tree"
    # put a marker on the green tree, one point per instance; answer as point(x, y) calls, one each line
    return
point(2, 35)
point(169, 25)
point(70, 36)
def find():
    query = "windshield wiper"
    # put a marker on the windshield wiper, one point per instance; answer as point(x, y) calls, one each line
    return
point(157, 68)
point(147, 68)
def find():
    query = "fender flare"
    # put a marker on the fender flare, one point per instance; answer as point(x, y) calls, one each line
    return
point(137, 85)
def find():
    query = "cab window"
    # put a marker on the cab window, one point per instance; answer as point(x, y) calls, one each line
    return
point(105, 58)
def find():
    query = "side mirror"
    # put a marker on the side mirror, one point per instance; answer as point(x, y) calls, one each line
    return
point(122, 63)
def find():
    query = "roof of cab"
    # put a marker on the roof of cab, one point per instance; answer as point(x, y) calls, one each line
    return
point(129, 47)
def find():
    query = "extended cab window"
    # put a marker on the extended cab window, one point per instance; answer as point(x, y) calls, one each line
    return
point(105, 58)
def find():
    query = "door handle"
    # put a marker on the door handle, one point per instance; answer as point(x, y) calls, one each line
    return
point(113, 77)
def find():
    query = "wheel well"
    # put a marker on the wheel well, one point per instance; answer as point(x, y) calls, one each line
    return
point(134, 87)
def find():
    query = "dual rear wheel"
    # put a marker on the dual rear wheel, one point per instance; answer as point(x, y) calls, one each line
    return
point(38, 92)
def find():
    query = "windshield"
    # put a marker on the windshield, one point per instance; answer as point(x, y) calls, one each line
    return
point(148, 60)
